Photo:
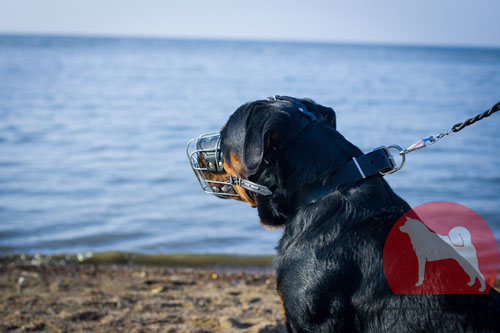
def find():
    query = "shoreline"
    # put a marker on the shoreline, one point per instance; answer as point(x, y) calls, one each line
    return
point(178, 260)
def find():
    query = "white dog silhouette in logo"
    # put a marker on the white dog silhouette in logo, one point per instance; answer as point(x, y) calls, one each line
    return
point(430, 246)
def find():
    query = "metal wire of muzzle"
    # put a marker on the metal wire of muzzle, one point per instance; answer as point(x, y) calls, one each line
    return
point(206, 149)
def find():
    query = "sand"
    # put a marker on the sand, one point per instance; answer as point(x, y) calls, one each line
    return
point(127, 298)
point(67, 296)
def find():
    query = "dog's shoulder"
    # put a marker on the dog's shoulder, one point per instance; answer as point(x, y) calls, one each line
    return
point(308, 286)
point(328, 267)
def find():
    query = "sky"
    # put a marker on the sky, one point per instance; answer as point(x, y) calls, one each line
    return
point(414, 22)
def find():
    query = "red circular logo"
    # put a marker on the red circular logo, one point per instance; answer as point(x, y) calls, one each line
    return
point(440, 247)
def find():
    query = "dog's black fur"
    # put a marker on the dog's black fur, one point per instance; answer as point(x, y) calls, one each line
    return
point(329, 262)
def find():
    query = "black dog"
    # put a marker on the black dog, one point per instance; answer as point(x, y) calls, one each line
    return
point(329, 263)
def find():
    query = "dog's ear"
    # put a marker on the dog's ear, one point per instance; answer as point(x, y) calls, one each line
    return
point(265, 129)
point(320, 111)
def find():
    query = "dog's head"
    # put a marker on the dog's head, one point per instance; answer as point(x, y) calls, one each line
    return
point(278, 144)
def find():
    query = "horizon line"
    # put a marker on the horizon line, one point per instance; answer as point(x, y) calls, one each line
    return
point(248, 39)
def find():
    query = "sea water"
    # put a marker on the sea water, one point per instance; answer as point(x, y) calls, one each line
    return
point(93, 133)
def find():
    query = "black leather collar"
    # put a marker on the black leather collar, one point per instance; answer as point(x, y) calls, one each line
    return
point(375, 162)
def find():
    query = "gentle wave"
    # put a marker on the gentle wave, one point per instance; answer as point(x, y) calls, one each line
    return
point(93, 133)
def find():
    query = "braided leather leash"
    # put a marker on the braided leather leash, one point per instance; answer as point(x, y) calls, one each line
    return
point(455, 128)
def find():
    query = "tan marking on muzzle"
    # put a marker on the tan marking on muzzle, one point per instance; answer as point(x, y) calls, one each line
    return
point(234, 167)
point(216, 176)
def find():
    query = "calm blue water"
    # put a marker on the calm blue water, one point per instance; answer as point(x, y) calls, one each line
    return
point(93, 132)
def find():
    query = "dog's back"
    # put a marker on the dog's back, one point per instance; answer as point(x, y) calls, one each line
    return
point(330, 274)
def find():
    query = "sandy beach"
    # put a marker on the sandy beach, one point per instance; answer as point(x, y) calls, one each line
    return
point(111, 292)
point(129, 298)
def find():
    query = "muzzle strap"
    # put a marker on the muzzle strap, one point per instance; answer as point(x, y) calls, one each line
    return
point(252, 187)
point(300, 106)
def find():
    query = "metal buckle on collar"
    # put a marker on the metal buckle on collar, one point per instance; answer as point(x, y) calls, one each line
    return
point(395, 166)
point(207, 148)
